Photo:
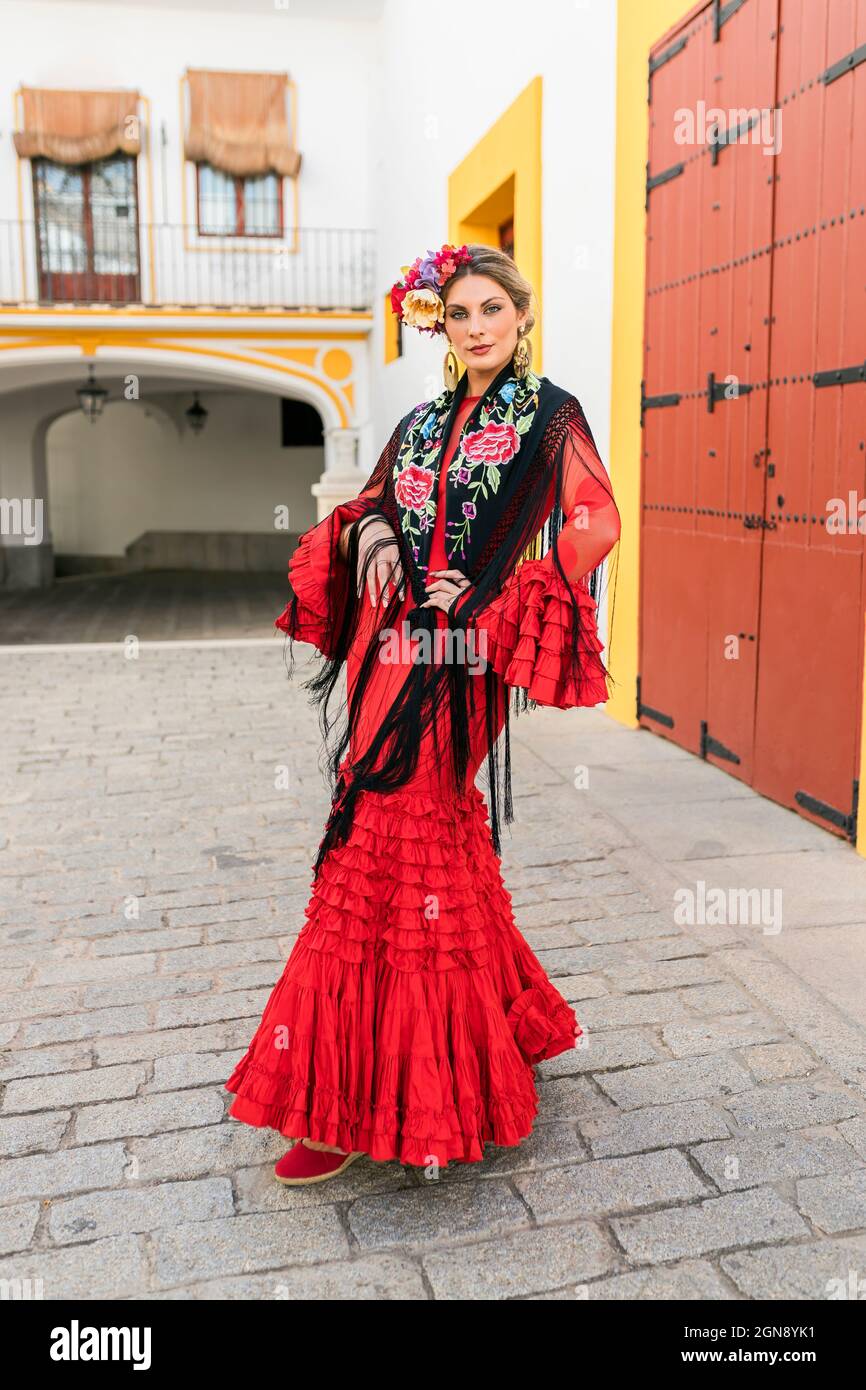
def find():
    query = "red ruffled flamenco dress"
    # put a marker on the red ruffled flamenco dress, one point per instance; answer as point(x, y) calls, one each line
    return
point(411, 1010)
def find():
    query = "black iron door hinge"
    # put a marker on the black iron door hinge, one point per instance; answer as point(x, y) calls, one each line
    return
point(712, 745)
point(651, 713)
point(845, 821)
point(660, 60)
point(840, 376)
point(851, 61)
point(718, 391)
point(655, 180)
point(656, 402)
point(722, 13)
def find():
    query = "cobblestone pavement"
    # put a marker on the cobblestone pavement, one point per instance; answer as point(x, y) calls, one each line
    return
point(708, 1143)
point(153, 604)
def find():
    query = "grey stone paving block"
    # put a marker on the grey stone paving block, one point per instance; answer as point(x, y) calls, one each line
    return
point(379, 1278)
point(219, 957)
point(691, 1280)
point(143, 991)
point(793, 1106)
point(695, 1040)
point(73, 1027)
point(76, 1088)
point(552, 913)
point(686, 1079)
point(245, 1244)
point(656, 1127)
point(779, 1060)
point(854, 1131)
point(215, 1008)
point(549, 1144)
point(570, 1098)
point(194, 1153)
point(580, 987)
point(67, 1170)
point(621, 925)
point(580, 960)
point(428, 1216)
point(719, 1223)
point(751, 1159)
point(815, 1270)
point(42, 1061)
point(31, 1003)
point(87, 969)
point(192, 1069)
point(610, 1184)
point(617, 1011)
point(148, 1115)
point(217, 913)
point(632, 976)
point(129, 943)
point(286, 921)
point(550, 938)
point(601, 1052)
point(17, 1225)
point(32, 1133)
point(836, 1202)
point(525, 1263)
point(725, 998)
point(135, 1209)
point(103, 1269)
point(215, 1037)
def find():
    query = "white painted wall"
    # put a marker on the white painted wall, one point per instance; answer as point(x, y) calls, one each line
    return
point(129, 473)
point(148, 47)
point(441, 88)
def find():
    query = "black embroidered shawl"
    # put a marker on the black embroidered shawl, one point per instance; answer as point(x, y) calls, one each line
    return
point(508, 462)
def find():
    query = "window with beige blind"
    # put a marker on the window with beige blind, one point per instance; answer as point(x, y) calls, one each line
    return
point(238, 136)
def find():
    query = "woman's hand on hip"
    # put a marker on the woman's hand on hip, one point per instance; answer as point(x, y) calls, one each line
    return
point(442, 588)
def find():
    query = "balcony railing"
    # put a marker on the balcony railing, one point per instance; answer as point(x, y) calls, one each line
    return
point(172, 266)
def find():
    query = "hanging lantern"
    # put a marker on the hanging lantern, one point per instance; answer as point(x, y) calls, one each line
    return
point(196, 415)
point(91, 397)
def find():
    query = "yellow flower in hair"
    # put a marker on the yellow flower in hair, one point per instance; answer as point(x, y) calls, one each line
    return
point(423, 309)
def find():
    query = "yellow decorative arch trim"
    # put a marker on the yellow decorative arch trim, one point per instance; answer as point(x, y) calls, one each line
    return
point(500, 179)
point(89, 343)
point(337, 364)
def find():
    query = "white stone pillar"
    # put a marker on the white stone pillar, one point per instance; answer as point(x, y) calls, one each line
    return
point(342, 479)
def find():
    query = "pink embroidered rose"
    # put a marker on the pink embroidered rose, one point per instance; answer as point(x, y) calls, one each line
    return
point(494, 444)
point(413, 487)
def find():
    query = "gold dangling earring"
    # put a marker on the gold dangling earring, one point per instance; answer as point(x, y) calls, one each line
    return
point(449, 370)
point(522, 357)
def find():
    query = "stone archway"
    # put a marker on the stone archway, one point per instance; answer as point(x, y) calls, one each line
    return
point(316, 375)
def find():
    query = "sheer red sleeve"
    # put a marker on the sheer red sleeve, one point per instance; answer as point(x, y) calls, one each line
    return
point(528, 627)
point(318, 573)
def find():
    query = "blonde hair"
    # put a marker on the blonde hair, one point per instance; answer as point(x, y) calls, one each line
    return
point(499, 266)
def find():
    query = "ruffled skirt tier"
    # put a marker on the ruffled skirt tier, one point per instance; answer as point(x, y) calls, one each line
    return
point(411, 1010)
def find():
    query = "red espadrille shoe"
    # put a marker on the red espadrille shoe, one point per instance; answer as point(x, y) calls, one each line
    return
point(302, 1164)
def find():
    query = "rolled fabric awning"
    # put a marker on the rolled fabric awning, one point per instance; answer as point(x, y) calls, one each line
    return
point(75, 127)
point(238, 123)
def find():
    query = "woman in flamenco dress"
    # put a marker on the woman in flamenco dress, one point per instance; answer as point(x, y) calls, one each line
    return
point(460, 583)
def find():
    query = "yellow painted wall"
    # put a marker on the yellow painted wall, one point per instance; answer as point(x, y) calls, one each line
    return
point(500, 178)
point(640, 23)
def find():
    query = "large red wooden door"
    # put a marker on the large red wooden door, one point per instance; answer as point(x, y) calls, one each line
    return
point(738, 603)
point(811, 649)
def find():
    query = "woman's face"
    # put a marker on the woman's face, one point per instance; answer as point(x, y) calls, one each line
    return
point(480, 313)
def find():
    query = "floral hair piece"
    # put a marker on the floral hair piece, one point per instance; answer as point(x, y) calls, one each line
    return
point(416, 299)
